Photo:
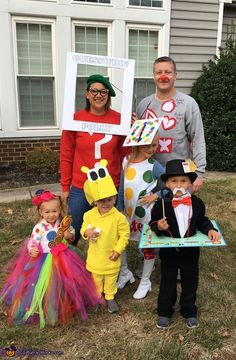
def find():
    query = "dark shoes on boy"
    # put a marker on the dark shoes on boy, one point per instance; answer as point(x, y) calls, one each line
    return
point(164, 322)
point(112, 306)
point(192, 322)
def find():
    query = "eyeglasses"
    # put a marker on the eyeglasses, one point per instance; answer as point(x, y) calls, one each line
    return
point(102, 92)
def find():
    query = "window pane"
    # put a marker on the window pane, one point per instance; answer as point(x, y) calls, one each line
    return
point(91, 40)
point(143, 48)
point(34, 49)
point(36, 101)
point(142, 88)
point(147, 3)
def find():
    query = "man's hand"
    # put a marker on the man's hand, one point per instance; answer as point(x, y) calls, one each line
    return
point(133, 118)
point(197, 184)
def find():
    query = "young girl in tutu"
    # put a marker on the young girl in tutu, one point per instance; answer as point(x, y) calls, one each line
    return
point(49, 282)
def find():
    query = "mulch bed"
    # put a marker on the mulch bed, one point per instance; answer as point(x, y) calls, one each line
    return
point(17, 176)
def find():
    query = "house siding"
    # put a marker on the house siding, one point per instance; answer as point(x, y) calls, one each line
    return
point(193, 38)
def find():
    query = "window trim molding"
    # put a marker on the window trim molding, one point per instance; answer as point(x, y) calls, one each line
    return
point(35, 20)
point(90, 3)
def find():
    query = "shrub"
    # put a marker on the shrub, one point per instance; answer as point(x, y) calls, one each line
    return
point(215, 92)
point(42, 161)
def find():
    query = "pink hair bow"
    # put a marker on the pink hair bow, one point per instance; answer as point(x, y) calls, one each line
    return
point(43, 196)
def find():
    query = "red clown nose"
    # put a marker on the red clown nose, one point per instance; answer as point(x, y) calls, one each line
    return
point(163, 77)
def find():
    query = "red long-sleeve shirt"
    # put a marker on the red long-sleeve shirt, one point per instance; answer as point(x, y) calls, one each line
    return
point(85, 149)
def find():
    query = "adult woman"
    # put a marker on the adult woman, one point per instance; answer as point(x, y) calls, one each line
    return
point(83, 148)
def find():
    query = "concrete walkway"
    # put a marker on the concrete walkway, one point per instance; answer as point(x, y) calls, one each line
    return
point(25, 193)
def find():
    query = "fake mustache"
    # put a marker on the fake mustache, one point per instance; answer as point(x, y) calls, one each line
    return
point(182, 190)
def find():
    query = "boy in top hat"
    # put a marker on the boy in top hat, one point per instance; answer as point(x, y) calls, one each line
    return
point(184, 215)
point(107, 231)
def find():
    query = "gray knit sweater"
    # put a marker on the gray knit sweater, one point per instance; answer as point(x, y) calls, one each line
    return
point(181, 132)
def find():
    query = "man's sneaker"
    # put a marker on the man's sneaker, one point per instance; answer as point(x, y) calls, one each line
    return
point(163, 322)
point(112, 306)
point(192, 322)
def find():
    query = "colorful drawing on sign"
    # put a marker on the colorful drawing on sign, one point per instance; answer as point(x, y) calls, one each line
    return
point(142, 132)
point(150, 240)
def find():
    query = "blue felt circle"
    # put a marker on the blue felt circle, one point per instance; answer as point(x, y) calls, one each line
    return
point(51, 235)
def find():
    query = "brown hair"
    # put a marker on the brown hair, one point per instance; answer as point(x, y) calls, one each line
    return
point(165, 59)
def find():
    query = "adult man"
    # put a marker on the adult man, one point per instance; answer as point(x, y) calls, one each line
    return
point(181, 132)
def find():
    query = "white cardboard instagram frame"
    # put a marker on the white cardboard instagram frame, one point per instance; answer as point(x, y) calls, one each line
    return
point(68, 123)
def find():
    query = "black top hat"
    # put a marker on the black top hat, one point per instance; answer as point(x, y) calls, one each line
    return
point(178, 167)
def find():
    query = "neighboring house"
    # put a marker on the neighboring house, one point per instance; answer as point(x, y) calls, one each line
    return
point(35, 36)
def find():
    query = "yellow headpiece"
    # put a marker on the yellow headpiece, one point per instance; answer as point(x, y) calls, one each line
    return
point(99, 184)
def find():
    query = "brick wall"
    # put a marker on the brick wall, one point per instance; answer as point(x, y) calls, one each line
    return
point(14, 151)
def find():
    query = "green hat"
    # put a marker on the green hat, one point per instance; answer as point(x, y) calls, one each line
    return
point(97, 78)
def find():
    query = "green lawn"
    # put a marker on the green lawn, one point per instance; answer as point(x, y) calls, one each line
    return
point(132, 334)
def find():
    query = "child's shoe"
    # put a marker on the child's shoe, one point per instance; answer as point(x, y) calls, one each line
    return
point(192, 322)
point(163, 322)
point(112, 306)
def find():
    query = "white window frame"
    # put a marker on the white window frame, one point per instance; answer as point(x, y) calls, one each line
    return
point(33, 20)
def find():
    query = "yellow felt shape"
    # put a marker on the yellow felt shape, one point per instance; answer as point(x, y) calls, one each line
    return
point(192, 165)
point(99, 184)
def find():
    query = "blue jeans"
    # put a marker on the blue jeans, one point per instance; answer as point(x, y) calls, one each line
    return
point(78, 205)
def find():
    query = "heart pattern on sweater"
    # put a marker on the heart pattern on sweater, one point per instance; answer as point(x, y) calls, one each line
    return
point(168, 122)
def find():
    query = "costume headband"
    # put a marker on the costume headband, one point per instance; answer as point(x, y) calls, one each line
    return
point(42, 195)
point(99, 184)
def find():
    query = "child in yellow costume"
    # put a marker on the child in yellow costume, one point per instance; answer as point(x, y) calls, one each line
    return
point(107, 231)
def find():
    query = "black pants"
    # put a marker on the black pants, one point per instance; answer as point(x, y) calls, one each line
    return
point(189, 270)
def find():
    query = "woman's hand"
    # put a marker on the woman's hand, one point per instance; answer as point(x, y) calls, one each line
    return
point(65, 196)
point(148, 199)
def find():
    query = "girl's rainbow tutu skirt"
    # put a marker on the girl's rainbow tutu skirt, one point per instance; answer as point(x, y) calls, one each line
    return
point(48, 289)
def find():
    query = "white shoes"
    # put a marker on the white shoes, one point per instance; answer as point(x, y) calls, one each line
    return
point(145, 284)
point(142, 290)
point(124, 279)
